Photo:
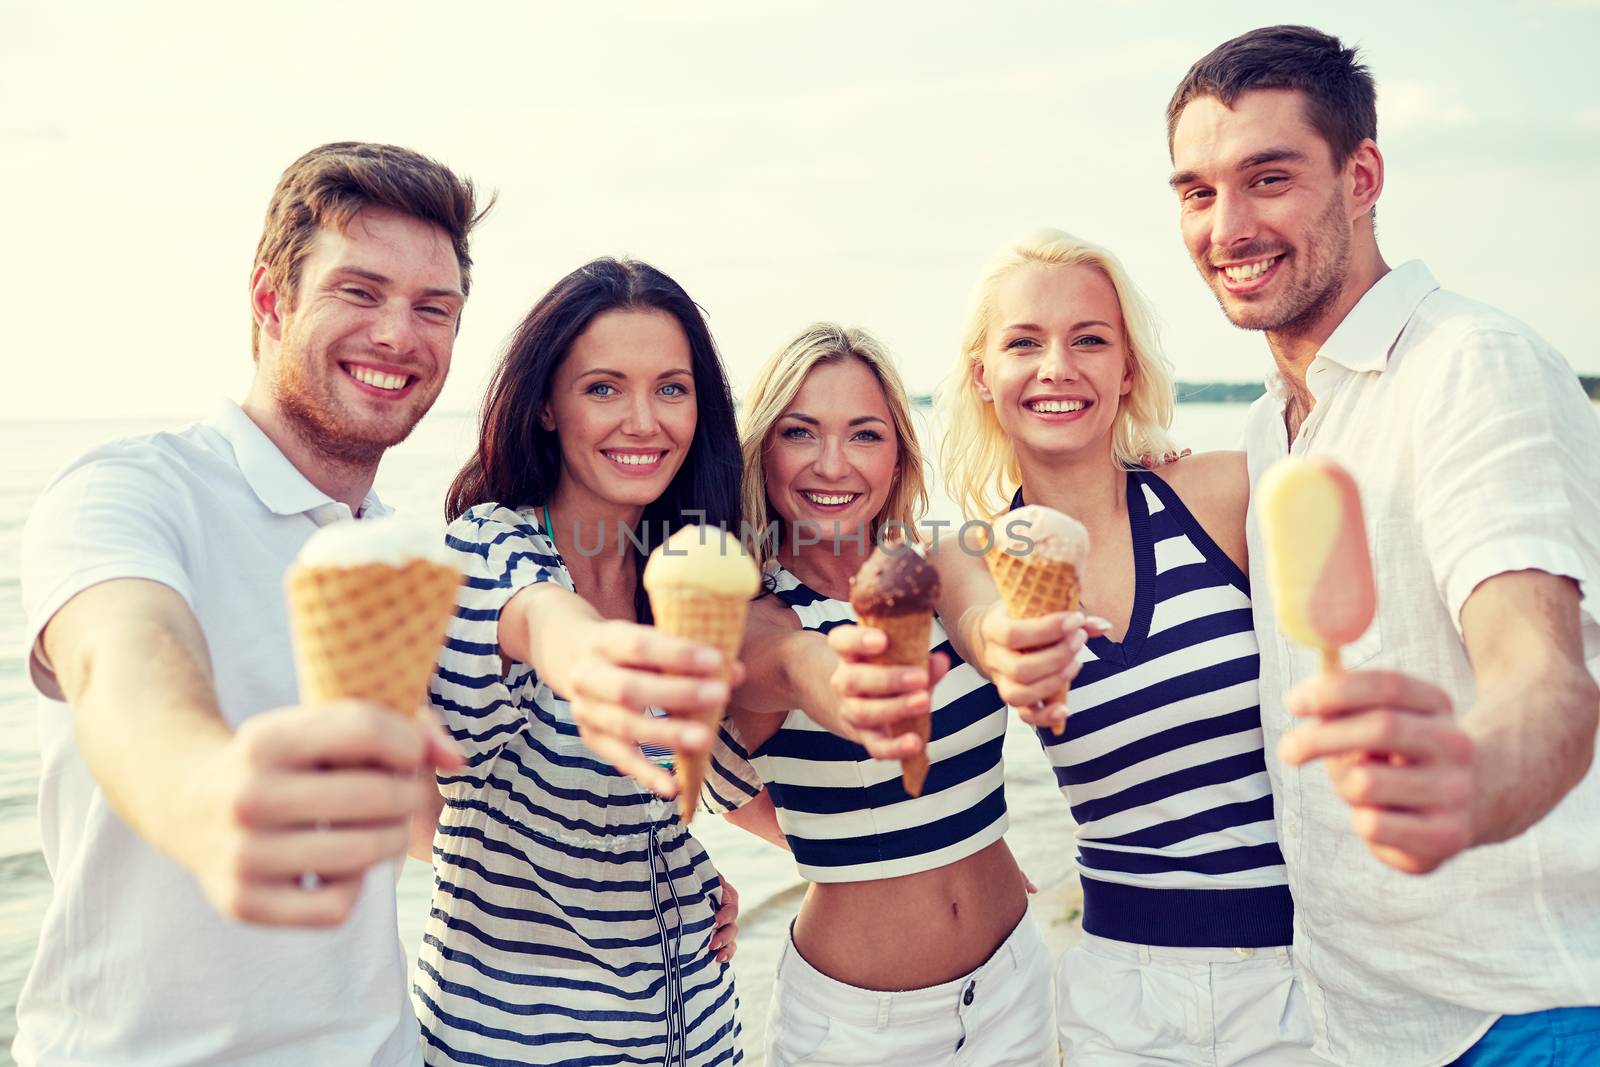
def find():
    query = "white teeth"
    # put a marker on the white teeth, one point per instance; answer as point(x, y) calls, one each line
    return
point(634, 459)
point(377, 379)
point(830, 499)
point(1057, 407)
point(1248, 271)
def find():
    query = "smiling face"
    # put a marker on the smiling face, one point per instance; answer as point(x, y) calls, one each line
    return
point(623, 406)
point(361, 351)
point(1055, 360)
point(832, 456)
point(1266, 215)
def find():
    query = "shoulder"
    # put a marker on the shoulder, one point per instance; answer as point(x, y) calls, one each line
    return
point(1451, 332)
point(156, 475)
point(490, 523)
point(1209, 480)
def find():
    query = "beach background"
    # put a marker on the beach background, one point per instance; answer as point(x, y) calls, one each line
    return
point(413, 479)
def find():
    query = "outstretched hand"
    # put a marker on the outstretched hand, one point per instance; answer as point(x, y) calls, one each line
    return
point(876, 700)
point(1032, 661)
point(625, 669)
point(1396, 755)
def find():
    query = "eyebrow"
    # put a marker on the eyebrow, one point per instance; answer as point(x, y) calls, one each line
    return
point(673, 373)
point(380, 279)
point(1276, 154)
point(810, 421)
point(1075, 326)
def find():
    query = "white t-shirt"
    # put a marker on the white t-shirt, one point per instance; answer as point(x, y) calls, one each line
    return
point(1475, 451)
point(135, 967)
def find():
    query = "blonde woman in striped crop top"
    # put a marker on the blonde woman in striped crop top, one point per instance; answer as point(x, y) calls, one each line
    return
point(1058, 391)
point(913, 944)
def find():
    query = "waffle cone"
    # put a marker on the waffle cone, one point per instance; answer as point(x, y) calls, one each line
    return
point(908, 647)
point(717, 621)
point(1032, 586)
point(370, 632)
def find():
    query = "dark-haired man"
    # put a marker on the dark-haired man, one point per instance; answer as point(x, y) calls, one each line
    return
point(189, 803)
point(1465, 731)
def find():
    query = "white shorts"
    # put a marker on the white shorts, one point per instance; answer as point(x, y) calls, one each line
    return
point(1122, 1004)
point(1000, 1015)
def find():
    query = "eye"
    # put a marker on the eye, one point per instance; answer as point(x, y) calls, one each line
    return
point(1194, 195)
point(601, 389)
point(1089, 339)
point(437, 312)
point(674, 389)
point(795, 433)
point(868, 435)
point(357, 292)
point(1271, 179)
point(1018, 342)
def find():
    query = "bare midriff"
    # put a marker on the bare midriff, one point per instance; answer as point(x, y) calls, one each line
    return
point(914, 931)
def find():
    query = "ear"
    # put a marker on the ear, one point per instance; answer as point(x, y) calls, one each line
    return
point(984, 392)
point(547, 418)
point(1127, 378)
point(1364, 171)
point(265, 303)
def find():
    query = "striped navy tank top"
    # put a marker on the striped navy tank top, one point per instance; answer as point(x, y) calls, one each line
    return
point(846, 815)
point(1162, 759)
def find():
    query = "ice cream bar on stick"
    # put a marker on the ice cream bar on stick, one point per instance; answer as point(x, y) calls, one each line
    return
point(1037, 557)
point(894, 591)
point(369, 602)
point(700, 581)
point(1318, 564)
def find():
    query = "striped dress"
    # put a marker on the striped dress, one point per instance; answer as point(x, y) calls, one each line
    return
point(1162, 760)
point(572, 912)
point(846, 815)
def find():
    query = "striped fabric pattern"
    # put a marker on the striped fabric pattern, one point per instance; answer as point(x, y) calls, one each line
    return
point(846, 815)
point(1162, 760)
point(572, 912)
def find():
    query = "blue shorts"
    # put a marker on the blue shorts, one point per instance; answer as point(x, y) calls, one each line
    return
point(1561, 1037)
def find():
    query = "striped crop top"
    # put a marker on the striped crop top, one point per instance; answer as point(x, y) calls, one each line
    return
point(1162, 760)
point(846, 815)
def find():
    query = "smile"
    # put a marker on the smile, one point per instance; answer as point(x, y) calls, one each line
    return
point(375, 379)
point(1057, 407)
point(1242, 277)
point(636, 462)
point(829, 500)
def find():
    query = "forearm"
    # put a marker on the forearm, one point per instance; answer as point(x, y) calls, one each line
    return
point(759, 817)
point(1526, 763)
point(148, 726)
point(558, 643)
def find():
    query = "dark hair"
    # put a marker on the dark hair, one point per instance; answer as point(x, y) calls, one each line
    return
point(518, 461)
point(1341, 103)
point(326, 187)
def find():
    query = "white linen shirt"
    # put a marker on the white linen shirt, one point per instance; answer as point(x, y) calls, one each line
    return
point(1475, 452)
point(134, 966)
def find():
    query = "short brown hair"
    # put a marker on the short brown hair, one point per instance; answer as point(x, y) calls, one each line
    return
point(1341, 102)
point(326, 187)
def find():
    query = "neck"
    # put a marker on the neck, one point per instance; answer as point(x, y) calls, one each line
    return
point(348, 482)
point(1295, 346)
point(827, 566)
point(1091, 487)
point(583, 521)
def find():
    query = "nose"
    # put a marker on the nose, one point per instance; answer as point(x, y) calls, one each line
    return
point(831, 464)
point(640, 420)
point(1233, 221)
point(392, 326)
point(1056, 364)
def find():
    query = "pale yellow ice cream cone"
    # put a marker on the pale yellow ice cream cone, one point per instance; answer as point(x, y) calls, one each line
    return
point(700, 582)
point(370, 631)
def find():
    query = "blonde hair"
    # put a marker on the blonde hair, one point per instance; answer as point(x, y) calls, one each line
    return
point(775, 388)
point(978, 461)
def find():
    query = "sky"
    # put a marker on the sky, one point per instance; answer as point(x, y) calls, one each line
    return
point(786, 161)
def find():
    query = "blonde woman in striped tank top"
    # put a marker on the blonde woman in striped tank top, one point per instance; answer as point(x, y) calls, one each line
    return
point(913, 944)
point(1059, 391)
